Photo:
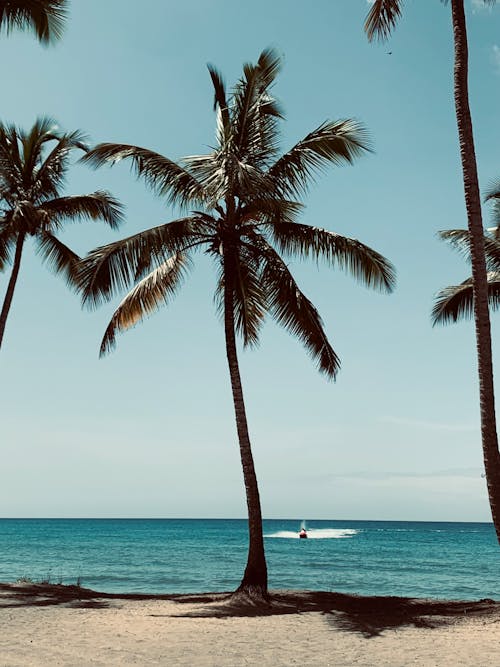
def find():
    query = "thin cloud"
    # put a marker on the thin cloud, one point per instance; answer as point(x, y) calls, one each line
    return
point(390, 476)
point(476, 6)
point(480, 6)
point(428, 425)
point(495, 57)
point(455, 473)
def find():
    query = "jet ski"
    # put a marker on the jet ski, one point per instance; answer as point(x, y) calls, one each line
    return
point(303, 533)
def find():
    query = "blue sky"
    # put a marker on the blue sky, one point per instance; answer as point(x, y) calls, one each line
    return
point(149, 431)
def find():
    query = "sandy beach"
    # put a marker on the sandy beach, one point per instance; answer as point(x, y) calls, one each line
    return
point(64, 625)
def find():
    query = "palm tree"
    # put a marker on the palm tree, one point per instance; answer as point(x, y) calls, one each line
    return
point(245, 196)
point(33, 166)
point(381, 19)
point(45, 18)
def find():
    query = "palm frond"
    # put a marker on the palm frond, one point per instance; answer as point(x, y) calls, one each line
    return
point(244, 99)
point(49, 176)
point(364, 263)
point(115, 266)
point(11, 166)
point(493, 191)
point(148, 295)
point(249, 297)
point(215, 172)
point(220, 106)
point(269, 64)
point(161, 174)
point(100, 205)
point(270, 211)
point(293, 310)
point(493, 196)
point(58, 256)
point(381, 19)
point(492, 252)
point(32, 142)
point(7, 243)
point(334, 142)
point(223, 176)
point(262, 140)
point(255, 112)
point(459, 239)
point(46, 18)
point(495, 216)
point(457, 301)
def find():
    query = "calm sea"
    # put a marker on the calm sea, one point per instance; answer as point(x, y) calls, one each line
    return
point(440, 560)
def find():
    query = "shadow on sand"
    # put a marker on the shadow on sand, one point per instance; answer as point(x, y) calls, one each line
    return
point(368, 616)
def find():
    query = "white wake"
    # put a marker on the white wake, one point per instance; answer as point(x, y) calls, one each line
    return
point(316, 533)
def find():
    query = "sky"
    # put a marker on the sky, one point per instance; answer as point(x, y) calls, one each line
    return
point(149, 430)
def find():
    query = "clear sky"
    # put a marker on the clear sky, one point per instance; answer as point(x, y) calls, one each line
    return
point(149, 431)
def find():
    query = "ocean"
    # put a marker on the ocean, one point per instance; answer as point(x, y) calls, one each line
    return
point(416, 559)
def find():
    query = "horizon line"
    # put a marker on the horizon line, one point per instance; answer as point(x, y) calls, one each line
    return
point(180, 518)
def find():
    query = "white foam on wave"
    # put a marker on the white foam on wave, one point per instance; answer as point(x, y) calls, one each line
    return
point(316, 533)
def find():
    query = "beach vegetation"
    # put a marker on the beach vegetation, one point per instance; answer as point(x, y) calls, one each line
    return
point(33, 166)
point(380, 21)
point(47, 580)
point(245, 206)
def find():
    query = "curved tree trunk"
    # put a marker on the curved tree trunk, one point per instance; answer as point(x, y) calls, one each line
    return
point(254, 582)
point(11, 286)
point(479, 278)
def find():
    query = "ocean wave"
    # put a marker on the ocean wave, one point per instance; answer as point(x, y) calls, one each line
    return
point(316, 533)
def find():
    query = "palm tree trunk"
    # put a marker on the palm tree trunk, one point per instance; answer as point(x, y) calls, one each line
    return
point(254, 582)
point(11, 286)
point(479, 278)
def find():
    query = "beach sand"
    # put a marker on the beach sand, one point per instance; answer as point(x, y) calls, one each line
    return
point(71, 626)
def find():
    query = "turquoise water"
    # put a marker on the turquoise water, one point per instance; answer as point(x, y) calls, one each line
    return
point(439, 560)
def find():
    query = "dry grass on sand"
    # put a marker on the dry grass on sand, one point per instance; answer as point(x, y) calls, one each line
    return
point(69, 625)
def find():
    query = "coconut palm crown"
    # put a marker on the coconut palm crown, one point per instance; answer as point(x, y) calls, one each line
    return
point(457, 301)
point(33, 166)
point(243, 197)
point(45, 18)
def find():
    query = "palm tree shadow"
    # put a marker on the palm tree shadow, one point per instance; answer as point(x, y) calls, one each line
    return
point(372, 616)
point(32, 594)
point(368, 616)
point(47, 595)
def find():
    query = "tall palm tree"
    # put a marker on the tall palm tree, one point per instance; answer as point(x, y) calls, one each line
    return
point(33, 166)
point(45, 18)
point(245, 196)
point(381, 19)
